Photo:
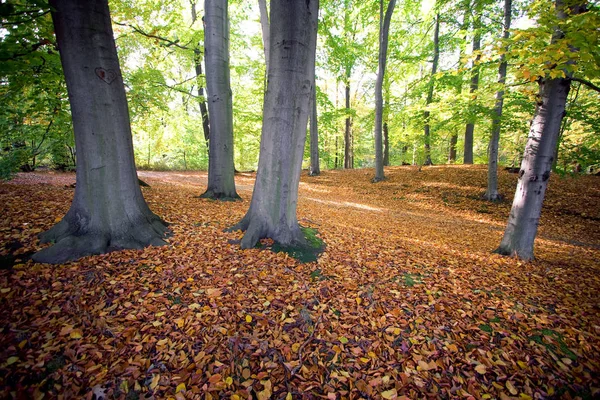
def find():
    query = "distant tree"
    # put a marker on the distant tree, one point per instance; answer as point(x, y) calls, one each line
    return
point(470, 127)
point(272, 212)
point(384, 29)
point(492, 182)
point(198, 70)
point(108, 211)
point(315, 168)
point(221, 170)
point(434, 66)
point(536, 166)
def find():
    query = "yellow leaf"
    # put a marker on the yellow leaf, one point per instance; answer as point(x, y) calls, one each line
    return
point(180, 388)
point(76, 334)
point(12, 360)
point(180, 322)
point(452, 347)
point(525, 396)
point(5, 290)
point(358, 301)
point(154, 383)
point(343, 340)
point(288, 396)
point(229, 381)
point(481, 369)
point(265, 394)
point(522, 364)
point(248, 318)
point(124, 386)
point(389, 394)
point(511, 388)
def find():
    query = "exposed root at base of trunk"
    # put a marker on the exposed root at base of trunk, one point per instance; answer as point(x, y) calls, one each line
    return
point(72, 241)
point(214, 195)
point(506, 251)
point(493, 197)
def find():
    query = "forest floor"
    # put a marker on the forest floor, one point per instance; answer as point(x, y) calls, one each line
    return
point(407, 301)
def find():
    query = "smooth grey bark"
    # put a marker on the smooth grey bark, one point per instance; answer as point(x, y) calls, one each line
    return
point(272, 212)
point(384, 29)
point(264, 24)
point(492, 193)
point(386, 112)
point(470, 128)
point(315, 168)
point(108, 211)
point(221, 170)
point(454, 135)
point(198, 69)
point(521, 229)
point(434, 65)
point(348, 158)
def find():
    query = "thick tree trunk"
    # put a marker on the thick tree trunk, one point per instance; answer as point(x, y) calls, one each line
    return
point(272, 212)
point(348, 162)
point(315, 168)
point(221, 184)
point(492, 187)
point(108, 210)
point(384, 28)
point(264, 24)
point(434, 65)
point(201, 99)
point(470, 128)
point(522, 225)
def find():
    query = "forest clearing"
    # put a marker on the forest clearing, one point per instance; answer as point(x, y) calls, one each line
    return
point(406, 301)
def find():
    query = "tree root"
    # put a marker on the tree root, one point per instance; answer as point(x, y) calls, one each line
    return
point(214, 195)
point(72, 240)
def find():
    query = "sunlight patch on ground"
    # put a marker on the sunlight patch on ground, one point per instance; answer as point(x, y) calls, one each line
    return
point(347, 204)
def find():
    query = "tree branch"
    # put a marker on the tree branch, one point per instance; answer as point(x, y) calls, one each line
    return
point(168, 42)
point(587, 83)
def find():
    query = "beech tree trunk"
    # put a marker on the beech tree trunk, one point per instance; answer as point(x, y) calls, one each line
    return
point(522, 225)
point(491, 193)
point(272, 213)
point(434, 65)
point(348, 159)
point(221, 184)
point(264, 24)
point(454, 135)
point(108, 211)
point(386, 112)
point(470, 128)
point(315, 168)
point(201, 99)
point(384, 28)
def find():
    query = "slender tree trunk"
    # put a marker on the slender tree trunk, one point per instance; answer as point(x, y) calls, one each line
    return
point(201, 99)
point(348, 132)
point(221, 184)
point(470, 128)
point(454, 136)
point(315, 168)
point(264, 24)
point(522, 225)
point(386, 113)
point(564, 125)
point(492, 188)
point(434, 65)
point(108, 211)
point(272, 212)
point(384, 28)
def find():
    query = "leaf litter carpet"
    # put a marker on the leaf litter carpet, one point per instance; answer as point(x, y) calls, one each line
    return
point(407, 301)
